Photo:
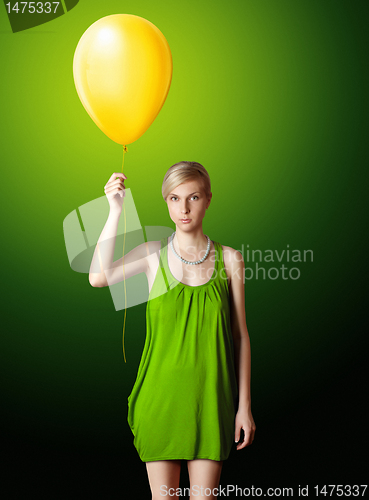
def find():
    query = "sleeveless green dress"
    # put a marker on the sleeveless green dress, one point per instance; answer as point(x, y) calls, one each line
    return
point(184, 400)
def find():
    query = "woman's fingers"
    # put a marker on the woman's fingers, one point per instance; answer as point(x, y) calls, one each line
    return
point(245, 442)
point(248, 436)
point(109, 188)
point(117, 174)
point(114, 185)
point(115, 189)
point(116, 182)
point(237, 434)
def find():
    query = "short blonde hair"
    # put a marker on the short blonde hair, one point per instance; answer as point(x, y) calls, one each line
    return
point(182, 172)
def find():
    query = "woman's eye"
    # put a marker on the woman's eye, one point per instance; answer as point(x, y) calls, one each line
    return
point(195, 196)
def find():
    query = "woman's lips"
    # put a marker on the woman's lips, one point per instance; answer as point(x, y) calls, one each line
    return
point(185, 221)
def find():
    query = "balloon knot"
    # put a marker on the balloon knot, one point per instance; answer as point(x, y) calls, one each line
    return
point(125, 148)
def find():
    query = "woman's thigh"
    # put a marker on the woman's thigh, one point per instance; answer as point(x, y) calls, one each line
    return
point(204, 474)
point(163, 475)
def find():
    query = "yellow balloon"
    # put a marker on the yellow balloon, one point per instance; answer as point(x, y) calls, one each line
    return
point(122, 70)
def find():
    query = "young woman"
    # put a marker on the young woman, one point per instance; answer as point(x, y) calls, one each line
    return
point(191, 397)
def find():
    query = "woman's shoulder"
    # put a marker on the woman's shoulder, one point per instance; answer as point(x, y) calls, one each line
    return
point(230, 254)
point(230, 258)
point(153, 247)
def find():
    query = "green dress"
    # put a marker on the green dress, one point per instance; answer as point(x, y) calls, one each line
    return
point(183, 402)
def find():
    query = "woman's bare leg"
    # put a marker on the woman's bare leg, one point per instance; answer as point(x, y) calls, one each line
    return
point(163, 474)
point(204, 474)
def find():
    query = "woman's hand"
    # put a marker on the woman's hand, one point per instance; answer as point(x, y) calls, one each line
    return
point(115, 191)
point(244, 419)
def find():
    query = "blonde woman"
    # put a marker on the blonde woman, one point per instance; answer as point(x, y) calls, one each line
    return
point(191, 397)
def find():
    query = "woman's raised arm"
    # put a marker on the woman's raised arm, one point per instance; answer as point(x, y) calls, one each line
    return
point(102, 259)
point(103, 271)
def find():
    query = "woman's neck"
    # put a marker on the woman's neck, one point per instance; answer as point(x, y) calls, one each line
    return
point(190, 243)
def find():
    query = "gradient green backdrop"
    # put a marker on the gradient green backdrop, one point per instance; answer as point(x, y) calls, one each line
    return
point(271, 97)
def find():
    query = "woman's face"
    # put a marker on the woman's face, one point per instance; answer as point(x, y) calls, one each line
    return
point(188, 201)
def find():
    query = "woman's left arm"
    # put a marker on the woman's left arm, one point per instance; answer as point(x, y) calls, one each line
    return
point(242, 349)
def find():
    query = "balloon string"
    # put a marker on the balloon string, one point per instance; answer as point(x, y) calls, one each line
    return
point(125, 149)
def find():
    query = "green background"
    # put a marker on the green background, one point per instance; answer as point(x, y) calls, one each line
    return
point(271, 97)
